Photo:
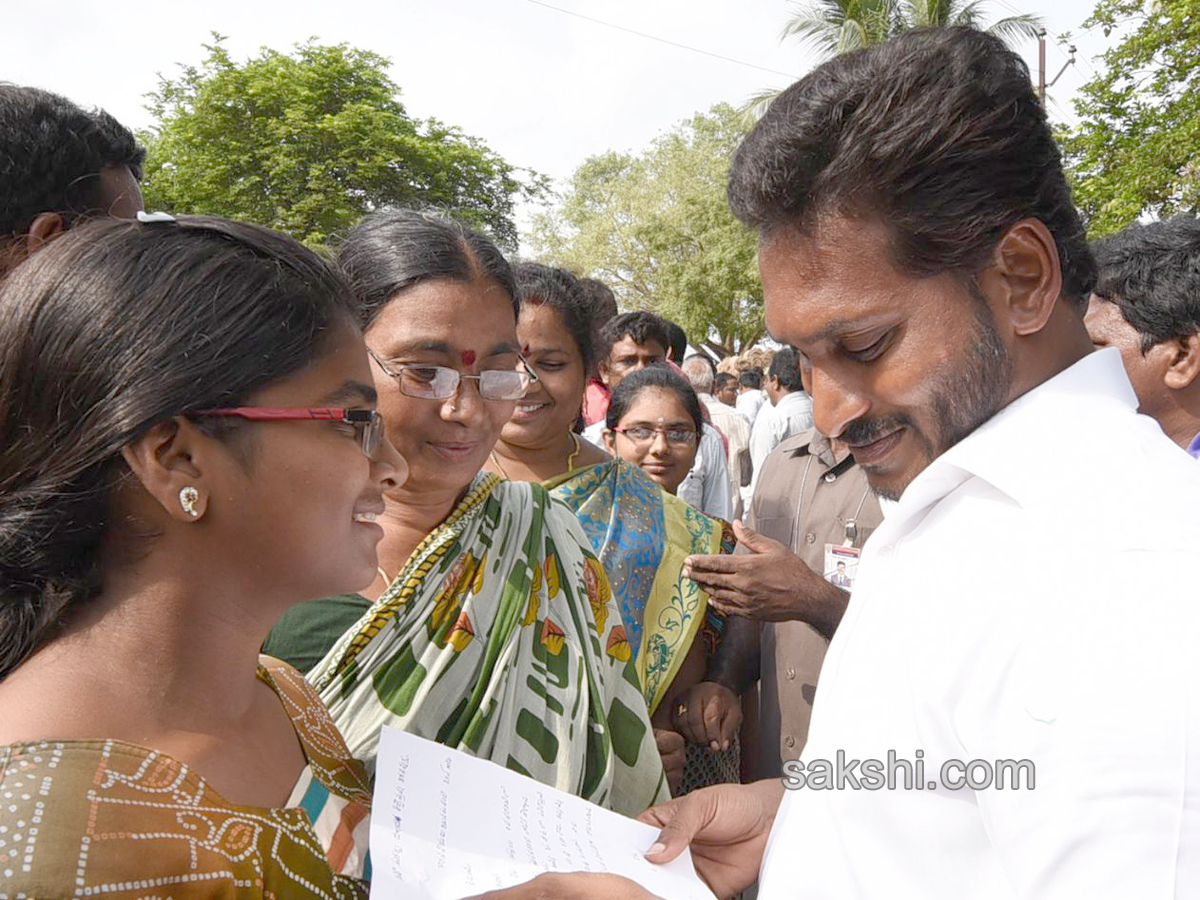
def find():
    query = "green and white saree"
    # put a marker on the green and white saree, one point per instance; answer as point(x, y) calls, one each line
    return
point(501, 637)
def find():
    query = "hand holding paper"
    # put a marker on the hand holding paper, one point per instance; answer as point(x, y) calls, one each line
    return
point(446, 825)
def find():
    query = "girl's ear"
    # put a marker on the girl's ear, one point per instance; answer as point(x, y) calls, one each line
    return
point(170, 462)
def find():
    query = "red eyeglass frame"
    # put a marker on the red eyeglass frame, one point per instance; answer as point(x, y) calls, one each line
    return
point(368, 422)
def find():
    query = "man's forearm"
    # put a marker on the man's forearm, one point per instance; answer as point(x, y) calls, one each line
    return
point(736, 662)
point(824, 608)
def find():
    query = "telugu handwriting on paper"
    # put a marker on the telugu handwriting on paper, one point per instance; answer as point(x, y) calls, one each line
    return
point(447, 825)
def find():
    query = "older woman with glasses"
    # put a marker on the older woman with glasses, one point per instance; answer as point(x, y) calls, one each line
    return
point(491, 626)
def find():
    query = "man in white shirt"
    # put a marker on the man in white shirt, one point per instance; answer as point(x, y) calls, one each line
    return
point(751, 398)
point(790, 412)
point(731, 423)
point(1146, 303)
point(1024, 622)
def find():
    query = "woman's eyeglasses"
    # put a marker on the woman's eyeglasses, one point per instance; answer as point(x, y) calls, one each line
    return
point(442, 383)
point(643, 434)
point(368, 423)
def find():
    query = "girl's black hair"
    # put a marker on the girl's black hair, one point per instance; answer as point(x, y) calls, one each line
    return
point(395, 249)
point(564, 293)
point(652, 377)
point(116, 327)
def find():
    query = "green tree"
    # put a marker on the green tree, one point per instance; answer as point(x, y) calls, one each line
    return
point(308, 142)
point(1134, 151)
point(657, 228)
point(837, 26)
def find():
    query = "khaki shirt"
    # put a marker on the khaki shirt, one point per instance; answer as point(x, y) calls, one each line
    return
point(804, 498)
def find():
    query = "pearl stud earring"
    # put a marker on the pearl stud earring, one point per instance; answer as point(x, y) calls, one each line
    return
point(187, 499)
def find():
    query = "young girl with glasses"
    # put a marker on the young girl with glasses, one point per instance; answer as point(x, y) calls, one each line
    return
point(187, 410)
point(653, 422)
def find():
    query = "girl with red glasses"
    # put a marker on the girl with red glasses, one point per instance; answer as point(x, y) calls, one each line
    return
point(190, 447)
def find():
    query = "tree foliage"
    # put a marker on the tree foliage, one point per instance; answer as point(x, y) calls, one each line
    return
point(835, 26)
point(307, 142)
point(656, 227)
point(838, 26)
point(1134, 151)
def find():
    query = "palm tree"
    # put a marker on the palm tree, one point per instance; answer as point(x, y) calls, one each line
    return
point(943, 13)
point(837, 26)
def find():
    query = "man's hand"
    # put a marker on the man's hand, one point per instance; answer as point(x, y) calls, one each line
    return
point(769, 583)
point(708, 713)
point(572, 886)
point(672, 749)
point(726, 826)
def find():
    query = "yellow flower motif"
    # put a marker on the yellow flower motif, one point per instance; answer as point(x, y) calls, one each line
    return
point(461, 634)
point(552, 583)
point(618, 644)
point(552, 637)
point(598, 590)
point(477, 584)
point(531, 610)
point(536, 581)
point(448, 601)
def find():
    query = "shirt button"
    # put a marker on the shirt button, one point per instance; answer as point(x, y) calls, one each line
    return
point(789, 742)
point(791, 674)
point(830, 478)
point(810, 538)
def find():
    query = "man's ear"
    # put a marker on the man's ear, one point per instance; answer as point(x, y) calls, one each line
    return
point(1185, 367)
point(168, 460)
point(1025, 277)
point(44, 228)
point(602, 371)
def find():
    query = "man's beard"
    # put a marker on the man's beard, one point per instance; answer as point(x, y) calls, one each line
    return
point(961, 400)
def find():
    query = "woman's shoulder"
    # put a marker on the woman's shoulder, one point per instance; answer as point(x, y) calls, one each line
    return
point(99, 816)
point(324, 747)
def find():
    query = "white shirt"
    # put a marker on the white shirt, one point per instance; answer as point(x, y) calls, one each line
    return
point(750, 404)
point(706, 485)
point(736, 429)
point(793, 414)
point(1033, 595)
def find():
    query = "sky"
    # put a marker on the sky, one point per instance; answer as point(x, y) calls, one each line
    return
point(544, 87)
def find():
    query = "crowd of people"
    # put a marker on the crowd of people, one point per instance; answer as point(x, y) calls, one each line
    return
point(257, 504)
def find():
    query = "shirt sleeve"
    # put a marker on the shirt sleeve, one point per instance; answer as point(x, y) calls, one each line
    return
point(717, 501)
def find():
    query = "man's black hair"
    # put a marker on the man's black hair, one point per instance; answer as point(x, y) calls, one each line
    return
point(641, 327)
point(677, 341)
point(51, 154)
point(785, 367)
point(936, 133)
point(1152, 273)
point(751, 378)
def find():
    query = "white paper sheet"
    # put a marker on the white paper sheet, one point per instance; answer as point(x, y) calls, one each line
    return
point(446, 825)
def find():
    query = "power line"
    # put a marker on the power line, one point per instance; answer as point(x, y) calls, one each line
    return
point(660, 40)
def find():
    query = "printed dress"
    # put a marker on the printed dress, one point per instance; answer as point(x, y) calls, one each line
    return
point(110, 819)
point(501, 637)
point(642, 535)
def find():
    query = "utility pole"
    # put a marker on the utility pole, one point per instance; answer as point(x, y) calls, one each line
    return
point(1041, 35)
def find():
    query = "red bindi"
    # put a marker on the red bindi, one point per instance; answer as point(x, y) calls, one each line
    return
point(468, 357)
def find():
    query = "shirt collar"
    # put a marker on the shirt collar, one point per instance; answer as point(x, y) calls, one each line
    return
point(1010, 451)
point(790, 398)
point(1194, 447)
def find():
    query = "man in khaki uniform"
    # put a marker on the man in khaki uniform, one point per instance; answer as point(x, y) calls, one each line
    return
point(810, 494)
